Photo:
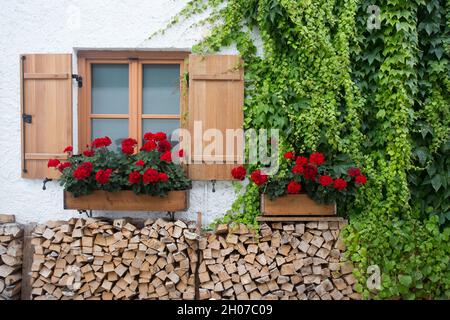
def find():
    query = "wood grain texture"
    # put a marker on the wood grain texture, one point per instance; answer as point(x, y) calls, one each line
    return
point(216, 98)
point(295, 204)
point(127, 200)
point(47, 97)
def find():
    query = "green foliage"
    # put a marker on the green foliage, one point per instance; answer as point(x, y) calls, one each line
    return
point(413, 256)
point(379, 96)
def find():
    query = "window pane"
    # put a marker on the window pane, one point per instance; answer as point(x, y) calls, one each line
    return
point(110, 88)
point(160, 125)
point(161, 89)
point(116, 129)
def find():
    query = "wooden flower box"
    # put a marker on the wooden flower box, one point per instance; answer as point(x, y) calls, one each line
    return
point(127, 201)
point(295, 205)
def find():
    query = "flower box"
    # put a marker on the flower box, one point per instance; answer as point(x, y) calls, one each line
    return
point(295, 205)
point(127, 200)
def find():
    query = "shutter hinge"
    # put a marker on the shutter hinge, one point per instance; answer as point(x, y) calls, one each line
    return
point(26, 118)
point(78, 79)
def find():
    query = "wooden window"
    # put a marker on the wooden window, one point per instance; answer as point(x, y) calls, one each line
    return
point(46, 106)
point(128, 93)
point(216, 98)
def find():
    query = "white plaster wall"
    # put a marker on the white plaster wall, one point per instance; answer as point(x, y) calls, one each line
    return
point(64, 26)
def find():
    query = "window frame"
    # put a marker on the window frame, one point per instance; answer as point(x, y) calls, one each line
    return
point(135, 60)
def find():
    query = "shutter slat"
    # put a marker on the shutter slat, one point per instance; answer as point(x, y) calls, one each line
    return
point(47, 98)
point(216, 98)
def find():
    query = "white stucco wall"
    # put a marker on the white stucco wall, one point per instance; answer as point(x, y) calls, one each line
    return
point(65, 26)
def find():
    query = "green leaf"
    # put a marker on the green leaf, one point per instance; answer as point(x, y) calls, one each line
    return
point(436, 182)
point(405, 280)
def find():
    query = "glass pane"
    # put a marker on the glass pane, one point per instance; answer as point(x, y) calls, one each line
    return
point(116, 129)
point(110, 88)
point(161, 125)
point(161, 89)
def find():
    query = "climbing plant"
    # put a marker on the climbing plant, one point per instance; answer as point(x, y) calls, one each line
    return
point(331, 80)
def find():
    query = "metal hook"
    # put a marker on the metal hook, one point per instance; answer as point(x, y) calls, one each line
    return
point(171, 215)
point(213, 185)
point(44, 182)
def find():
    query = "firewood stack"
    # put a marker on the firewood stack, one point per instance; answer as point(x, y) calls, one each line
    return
point(11, 258)
point(288, 261)
point(94, 259)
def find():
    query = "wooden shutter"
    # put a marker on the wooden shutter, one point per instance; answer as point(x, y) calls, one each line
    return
point(216, 98)
point(46, 105)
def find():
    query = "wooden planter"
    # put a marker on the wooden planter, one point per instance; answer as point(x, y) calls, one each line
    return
point(127, 201)
point(295, 205)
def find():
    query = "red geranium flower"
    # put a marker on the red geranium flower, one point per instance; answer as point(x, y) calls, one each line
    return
point(134, 177)
point(53, 163)
point(317, 158)
point(310, 172)
point(149, 146)
point(163, 177)
point(299, 169)
point(289, 155)
point(301, 161)
point(101, 142)
point(353, 172)
point(83, 171)
point(166, 156)
point(64, 165)
point(89, 153)
point(239, 173)
point(325, 180)
point(150, 176)
point(339, 184)
point(160, 136)
point(140, 163)
point(128, 145)
point(148, 136)
point(181, 153)
point(102, 176)
point(361, 179)
point(294, 187)
point(68, 149)
point(258, 178)
point(164, 146)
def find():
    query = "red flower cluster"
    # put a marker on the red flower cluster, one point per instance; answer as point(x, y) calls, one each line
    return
point(258, 178)
point(101, 142)
point(239, 173)
point(301, 161)
point(128, 145)
point(325, 180)
point(64, 165)
point(310, 172)
point(68, 149)
point(102, 176)
point(89, 153)
point(153, 176)
point(289, 155)
point(166, 156)
point(159, 136)
point(339, 184)
point(140, 163)
point(164, 146)
point(317, 158)
point(294, 187)
point(360, 179)
point(53, 163)
point(83, 171)
point(181, 153)
point(149, 146)
point(134, 177)
point(353, 172)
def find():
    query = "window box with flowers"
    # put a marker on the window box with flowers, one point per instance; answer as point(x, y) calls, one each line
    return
point(309, 186)
point(102, 179)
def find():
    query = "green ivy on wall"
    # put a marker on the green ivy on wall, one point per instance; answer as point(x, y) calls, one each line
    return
point(377, 95)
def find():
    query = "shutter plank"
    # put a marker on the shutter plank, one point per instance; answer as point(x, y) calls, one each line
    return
point(47, 97)
point(216, 98)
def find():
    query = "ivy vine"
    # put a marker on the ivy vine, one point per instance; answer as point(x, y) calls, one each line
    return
point(378, 95)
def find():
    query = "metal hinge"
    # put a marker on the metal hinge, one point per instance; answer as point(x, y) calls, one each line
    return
point(78, 79)
point(26, 118)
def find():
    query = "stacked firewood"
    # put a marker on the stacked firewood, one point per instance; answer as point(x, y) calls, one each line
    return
point(94, 259)
point(10, 258)
point(285, 261)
